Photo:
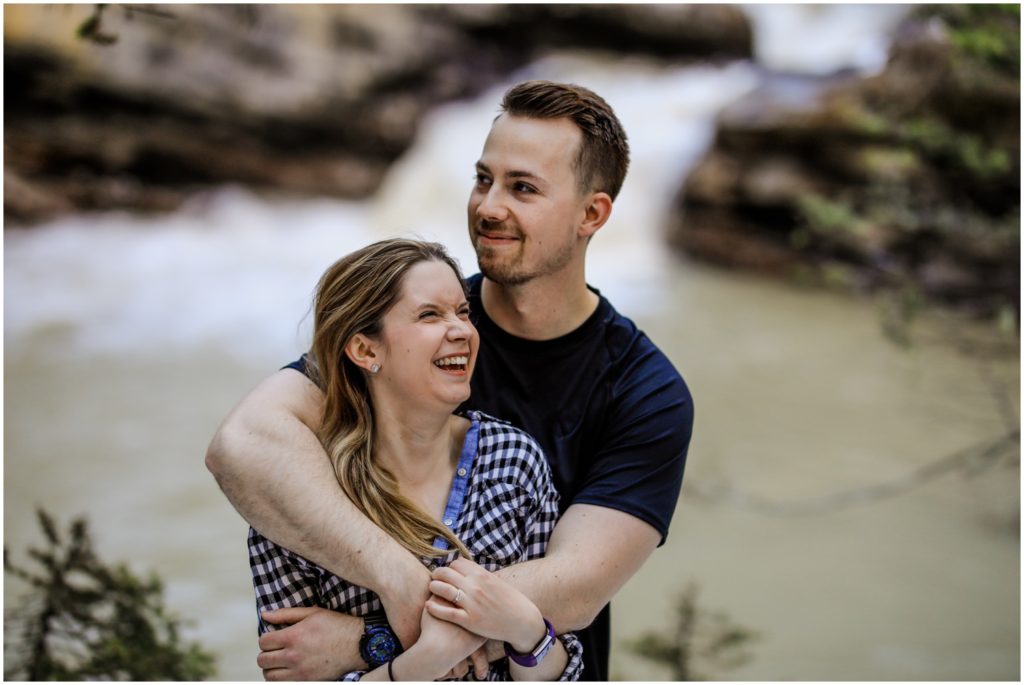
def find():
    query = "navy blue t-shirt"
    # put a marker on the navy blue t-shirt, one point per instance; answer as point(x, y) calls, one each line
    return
point(613, 415)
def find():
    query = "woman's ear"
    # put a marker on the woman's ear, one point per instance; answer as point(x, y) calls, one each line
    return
point(362, 351)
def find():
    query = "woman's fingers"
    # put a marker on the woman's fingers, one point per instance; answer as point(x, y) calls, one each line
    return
point(448, 575)
point(445, 610)
point(447, 592)
point(466, 567)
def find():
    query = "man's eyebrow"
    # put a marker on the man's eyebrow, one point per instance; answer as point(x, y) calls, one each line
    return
point(514, 173)
point(523, 174)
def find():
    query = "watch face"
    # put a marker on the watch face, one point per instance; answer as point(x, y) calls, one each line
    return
point(544, 647)
point(380, 646)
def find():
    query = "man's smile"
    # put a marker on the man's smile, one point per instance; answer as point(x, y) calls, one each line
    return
point(493, 238)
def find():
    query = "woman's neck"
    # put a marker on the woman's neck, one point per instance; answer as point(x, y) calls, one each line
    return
point(420, 451)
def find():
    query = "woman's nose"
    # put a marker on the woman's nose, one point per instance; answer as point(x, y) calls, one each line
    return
point(459, 330)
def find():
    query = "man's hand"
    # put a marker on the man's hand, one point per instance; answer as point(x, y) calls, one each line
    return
point(315, 645)
point(477, 661)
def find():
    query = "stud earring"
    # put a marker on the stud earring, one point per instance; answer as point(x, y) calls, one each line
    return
point(375, 368)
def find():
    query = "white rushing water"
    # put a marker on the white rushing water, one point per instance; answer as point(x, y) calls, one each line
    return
point(237, 271)
point(127, 339)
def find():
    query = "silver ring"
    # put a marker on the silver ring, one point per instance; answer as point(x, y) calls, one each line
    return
point(458, 596)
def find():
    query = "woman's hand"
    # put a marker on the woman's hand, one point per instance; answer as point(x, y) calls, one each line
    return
point(481, 602)
point(442, 647)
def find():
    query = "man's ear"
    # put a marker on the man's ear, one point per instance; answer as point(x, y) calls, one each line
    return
point(362, 351)
point(595, 214)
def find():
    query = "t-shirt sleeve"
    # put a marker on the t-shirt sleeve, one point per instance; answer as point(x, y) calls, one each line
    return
point(299, 365)
point(638, 466)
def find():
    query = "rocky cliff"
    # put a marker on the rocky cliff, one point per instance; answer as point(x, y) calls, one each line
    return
point(137, 106)
point(909, 178)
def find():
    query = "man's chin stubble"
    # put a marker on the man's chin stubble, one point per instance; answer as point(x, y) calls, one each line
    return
point(501, 276)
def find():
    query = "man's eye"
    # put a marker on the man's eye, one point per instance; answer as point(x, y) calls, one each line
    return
point(523, 188)
point(481, 179)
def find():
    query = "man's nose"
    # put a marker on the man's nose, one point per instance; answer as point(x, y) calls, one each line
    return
point(492, 206)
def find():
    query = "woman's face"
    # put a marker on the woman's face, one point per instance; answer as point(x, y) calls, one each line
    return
point(429, 345)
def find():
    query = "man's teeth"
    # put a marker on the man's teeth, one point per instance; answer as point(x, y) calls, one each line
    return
point(451, 361)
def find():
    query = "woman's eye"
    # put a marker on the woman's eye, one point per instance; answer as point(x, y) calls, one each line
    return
point(427, 314)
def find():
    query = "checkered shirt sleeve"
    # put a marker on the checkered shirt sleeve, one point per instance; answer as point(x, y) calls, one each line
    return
point(508, 512)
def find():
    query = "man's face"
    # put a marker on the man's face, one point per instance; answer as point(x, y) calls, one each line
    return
point(526, 207)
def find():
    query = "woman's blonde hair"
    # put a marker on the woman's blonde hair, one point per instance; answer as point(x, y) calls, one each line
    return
point(352, 297)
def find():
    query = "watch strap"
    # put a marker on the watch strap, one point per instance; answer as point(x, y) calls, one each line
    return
point(379, 644)
point(375, 619)
point(534, 656)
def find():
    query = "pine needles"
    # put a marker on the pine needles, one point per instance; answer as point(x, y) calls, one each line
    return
point(86, 620)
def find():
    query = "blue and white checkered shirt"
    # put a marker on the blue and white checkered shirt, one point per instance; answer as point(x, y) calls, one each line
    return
point(503, 506)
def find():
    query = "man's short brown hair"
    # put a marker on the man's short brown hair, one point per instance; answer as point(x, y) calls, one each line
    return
point(603, 157)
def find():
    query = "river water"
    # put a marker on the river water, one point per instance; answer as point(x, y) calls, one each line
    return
point(127, 339)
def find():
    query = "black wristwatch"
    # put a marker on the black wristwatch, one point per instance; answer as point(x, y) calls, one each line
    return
point(379, 644)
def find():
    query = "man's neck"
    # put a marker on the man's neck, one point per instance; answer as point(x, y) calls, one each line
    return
point(540, 309)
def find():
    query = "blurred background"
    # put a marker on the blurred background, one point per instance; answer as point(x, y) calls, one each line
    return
point(820, 228)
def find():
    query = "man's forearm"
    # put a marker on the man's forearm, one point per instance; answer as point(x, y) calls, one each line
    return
point(275, 472)
point(593, 551)
point(552, 587)
point(270, 464)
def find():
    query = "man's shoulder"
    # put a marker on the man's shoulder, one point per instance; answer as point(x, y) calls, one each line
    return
point(627, 343)
point(638, 365)
point(473, 284)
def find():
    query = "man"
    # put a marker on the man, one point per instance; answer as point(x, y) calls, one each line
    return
point(612, 414)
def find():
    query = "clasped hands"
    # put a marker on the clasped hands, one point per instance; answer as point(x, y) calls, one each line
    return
point(451, 635)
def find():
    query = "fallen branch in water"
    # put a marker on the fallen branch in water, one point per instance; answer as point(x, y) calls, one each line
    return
point(970, 460)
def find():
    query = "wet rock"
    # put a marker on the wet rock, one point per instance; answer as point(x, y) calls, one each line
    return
point(907, 178)
point(156, 102)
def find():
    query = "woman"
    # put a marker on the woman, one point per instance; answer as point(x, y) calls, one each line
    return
point(393, 351)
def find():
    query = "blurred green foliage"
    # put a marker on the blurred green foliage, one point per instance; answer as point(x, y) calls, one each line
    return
point(926, 192)
point(989, 33)
point(86, 620)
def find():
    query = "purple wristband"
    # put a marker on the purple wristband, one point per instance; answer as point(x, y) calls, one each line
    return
point(534, 656)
